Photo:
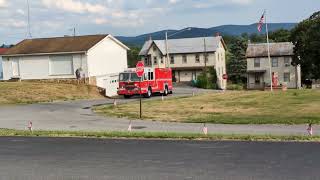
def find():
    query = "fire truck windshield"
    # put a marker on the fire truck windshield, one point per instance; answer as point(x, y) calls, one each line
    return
point(124, 77)
point(134, 77)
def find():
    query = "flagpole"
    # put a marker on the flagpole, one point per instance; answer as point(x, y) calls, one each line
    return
point(270, 64)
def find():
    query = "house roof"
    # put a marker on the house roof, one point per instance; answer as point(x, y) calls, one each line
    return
point(276, 49)
point(55, 45)
point(182, 46)
point(3, 50)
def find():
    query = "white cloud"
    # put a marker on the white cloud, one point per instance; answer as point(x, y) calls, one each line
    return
point(244, 2)
point(100, 21)
point(75, 6)
point(3, 3)
point(13, 23)
point(20, 11)
point(173, 1)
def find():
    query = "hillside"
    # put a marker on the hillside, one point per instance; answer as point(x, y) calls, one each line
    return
point(200, 32)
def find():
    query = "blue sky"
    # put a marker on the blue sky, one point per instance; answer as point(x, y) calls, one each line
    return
point(135, 17)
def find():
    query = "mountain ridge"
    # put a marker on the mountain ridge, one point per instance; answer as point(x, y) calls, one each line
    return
point(230, 29)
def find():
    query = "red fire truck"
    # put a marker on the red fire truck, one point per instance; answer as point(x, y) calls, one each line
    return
point(154, 80)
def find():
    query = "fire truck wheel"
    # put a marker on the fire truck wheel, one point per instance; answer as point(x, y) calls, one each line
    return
point(149, 93)
point(166, 91)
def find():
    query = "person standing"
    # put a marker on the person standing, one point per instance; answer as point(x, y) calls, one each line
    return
point(78, 75)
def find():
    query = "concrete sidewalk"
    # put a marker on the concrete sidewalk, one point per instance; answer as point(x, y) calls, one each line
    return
point(78, 116)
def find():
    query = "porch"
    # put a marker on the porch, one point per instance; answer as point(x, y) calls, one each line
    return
point(256, 80)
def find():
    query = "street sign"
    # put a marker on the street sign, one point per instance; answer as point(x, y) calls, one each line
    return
point(225, 76)
point(140, 72)
point(140, 69)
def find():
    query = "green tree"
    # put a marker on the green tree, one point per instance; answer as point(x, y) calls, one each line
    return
point(281, 35)
point(133, 56)
point(257, 38)
point(236, 60)
point(306, 38)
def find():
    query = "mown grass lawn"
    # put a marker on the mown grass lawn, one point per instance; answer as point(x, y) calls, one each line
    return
point(30, 92)
point(251, 107)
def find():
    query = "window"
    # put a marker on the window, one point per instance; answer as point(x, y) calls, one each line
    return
point(286, 61)
point(197, 58)
point(286, 77)
point(150, 76)
point(61, 65)
point(172, 60)
point(275, 62)
point(146, 62)
point(155, 60)
point(256, 62)
point(154, 48)
point(206, 57)
point(161, 59)
point(184, 59)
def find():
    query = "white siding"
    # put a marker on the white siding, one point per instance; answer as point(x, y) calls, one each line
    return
point(38, 67)
point(216, 59)
point(107, 57)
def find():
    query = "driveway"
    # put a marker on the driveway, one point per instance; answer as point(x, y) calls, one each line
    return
point(78, 115)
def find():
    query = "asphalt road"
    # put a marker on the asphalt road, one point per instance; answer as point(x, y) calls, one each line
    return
point(98, 159)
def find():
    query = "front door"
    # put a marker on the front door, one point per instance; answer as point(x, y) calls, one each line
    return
point(257, 78)
point(15, 68)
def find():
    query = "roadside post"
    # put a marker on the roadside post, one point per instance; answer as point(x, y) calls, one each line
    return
point(140, 72)
point(30, 126)
point(310, 129)
point(205, 129)
point(225, 77)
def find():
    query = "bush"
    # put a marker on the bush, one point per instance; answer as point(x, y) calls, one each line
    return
point(235, 87)
point(207, 80)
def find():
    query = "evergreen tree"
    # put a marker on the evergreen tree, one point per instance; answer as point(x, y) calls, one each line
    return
point(236, 61)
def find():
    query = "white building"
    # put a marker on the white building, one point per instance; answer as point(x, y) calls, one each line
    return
point(283, 72)
point(59, 58)
point(187, 57)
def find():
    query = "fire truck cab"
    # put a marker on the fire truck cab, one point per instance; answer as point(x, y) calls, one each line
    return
point(154, 80)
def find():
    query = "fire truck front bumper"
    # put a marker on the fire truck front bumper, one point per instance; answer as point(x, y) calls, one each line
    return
point(131, 92)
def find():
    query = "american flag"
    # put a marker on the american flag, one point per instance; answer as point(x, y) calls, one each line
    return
point(260, 24)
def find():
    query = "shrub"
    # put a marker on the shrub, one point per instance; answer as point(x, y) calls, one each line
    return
point(235, 87)
point(207, 80)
